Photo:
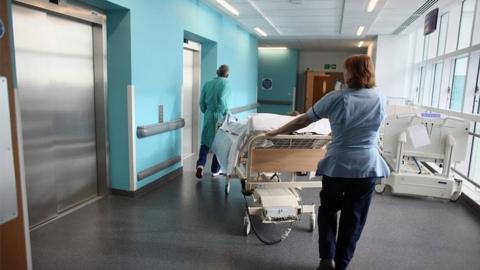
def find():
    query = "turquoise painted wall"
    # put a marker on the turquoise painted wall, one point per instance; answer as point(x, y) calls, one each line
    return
point(280, 66)
point(151, 32)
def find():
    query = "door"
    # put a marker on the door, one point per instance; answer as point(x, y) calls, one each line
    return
point(190, 98)
point(54, 63)
point(316, 87)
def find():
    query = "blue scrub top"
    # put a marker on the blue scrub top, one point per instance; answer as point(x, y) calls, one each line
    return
point(355, 117)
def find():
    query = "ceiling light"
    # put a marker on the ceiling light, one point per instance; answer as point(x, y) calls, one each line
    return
point(272, 48)
point(264, 16)
point(228, 7)
point(360, 30)
point(261, 32)
point(360, 44)
point(371, 5)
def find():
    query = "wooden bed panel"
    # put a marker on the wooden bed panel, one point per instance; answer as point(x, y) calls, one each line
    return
point(286, 160)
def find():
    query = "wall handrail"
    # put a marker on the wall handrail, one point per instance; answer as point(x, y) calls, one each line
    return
point(154, 129)
point(244, 108)
point(158, 167)
point(275, 102)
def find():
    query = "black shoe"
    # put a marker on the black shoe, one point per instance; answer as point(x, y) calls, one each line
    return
point(199, 173)
point(326, 264)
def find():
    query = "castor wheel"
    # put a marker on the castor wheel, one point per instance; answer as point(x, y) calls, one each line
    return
point(455, 196)
point(246, 224)
point(380, 188)
point(227, 188)
point(313, 222)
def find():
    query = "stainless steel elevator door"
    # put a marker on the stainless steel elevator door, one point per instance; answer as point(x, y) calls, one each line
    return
point(187, 103)
point(54, 64)
point(190, 100)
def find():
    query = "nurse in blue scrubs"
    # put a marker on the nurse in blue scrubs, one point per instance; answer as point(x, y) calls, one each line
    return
point(352, 164)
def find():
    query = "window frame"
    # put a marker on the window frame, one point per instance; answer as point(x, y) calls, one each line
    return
point(447, 14)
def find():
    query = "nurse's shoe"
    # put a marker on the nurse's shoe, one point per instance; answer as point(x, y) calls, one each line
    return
point(326, 264)
point(199, 173)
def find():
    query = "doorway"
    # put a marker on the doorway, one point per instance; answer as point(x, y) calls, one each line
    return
point(60, 75)
point(190, 98)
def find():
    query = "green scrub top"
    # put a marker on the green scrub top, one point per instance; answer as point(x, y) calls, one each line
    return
point(213, 104)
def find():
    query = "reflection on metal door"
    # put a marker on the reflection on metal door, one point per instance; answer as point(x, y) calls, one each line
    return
point(54, 63)
point(190, 93)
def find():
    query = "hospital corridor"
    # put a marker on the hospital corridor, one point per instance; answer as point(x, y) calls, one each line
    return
point(240, 134)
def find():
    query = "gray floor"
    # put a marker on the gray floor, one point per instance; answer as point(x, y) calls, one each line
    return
point(189, 224)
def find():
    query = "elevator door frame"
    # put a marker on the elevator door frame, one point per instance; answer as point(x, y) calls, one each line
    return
point(98, 20)
point(196, 48)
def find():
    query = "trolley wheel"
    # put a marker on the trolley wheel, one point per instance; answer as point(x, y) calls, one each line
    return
point(380, 188)
point(227, 188)
point(246, 224)
point(313, 222)
point(455, 196)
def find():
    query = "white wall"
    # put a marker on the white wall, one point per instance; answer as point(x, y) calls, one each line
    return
point(315, 60)
point(392, 65)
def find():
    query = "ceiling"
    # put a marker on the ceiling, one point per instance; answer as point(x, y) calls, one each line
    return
point(319, 24)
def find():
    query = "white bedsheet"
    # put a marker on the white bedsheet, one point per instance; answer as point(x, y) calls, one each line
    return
point(264, 122)
point(233, 134)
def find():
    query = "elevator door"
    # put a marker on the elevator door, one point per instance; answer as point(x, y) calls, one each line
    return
point(190, 106)
point(54, 64)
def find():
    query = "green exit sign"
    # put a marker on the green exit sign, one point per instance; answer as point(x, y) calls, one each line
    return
point(329, 66)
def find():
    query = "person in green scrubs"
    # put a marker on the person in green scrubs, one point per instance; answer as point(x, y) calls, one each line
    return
point(213, 104)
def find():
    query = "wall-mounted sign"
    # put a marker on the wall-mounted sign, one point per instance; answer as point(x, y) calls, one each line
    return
point(2, 28)
point(329, 66)
point(267, 84)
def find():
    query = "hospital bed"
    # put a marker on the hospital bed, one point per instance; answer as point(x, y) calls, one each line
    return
point(267, 166)
point(420, 148)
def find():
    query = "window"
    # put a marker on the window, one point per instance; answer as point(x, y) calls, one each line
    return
point(458, 83)
point(474, 172)
point(442, 34)
point(426, 43)
point(419, 39)
point(466, 24)
point(420, 83)
point(436, 84)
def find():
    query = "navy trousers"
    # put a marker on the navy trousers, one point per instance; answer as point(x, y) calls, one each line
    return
point(352, 197)
point(202, 159)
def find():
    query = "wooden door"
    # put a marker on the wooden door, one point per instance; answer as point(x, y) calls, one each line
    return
point(316, 87)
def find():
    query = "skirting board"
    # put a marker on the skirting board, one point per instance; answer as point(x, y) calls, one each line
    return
point(469, 203)
point(150, 187)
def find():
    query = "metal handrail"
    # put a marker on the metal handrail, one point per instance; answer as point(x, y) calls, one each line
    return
point(468, 179)
point(157, 168)
point(275, 102)
point(154, 129)
point(244, 108)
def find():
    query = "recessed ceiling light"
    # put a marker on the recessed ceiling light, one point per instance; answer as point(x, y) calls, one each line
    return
point(264, 16)
point(360, 30)
point(228, 7)
point(360, 44)
point(272, 48)
point(371, 5)
point(261, 32)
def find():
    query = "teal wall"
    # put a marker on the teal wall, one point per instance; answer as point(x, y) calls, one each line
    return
point(145, 49)
point(280, 66)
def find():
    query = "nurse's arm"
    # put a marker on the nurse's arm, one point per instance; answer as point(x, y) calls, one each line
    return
point(298, 123)
point(203, 104)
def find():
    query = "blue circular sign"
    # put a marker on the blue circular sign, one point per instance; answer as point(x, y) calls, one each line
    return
point(267, 84)
point(2, 28)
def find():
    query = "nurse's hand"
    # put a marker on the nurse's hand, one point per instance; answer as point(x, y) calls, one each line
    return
point(272, 133)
